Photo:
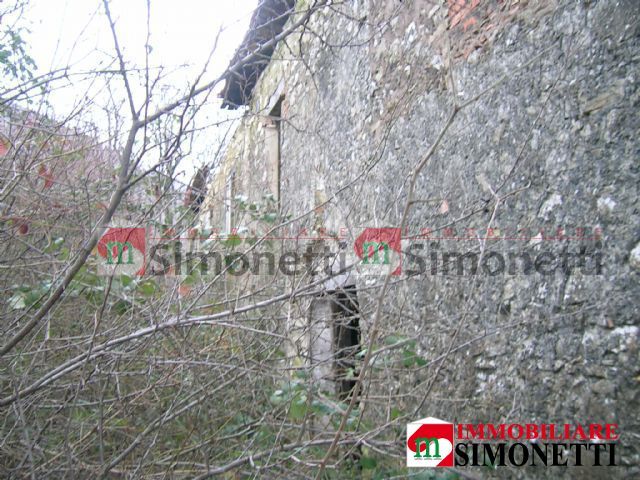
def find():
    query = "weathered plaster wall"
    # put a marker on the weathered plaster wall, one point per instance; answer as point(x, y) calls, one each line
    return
point(554, 134)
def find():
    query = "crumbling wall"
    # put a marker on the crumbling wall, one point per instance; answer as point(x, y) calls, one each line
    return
point(545, 138)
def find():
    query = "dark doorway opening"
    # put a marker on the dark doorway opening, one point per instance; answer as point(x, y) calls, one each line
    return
point(346, 339)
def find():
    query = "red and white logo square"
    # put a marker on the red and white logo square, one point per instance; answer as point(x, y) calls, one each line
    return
point(380, 251)
point(429, 443)
point(122, 250)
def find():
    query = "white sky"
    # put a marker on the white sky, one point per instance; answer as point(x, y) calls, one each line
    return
point(75, 33)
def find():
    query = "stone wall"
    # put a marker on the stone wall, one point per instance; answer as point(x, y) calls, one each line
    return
point(545, 138)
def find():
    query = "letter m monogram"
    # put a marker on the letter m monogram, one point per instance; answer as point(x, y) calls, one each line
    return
point(370, 251)
point(427, 443)
point(120, 248)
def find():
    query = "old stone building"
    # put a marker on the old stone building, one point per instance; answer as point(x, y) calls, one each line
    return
point(501, 139)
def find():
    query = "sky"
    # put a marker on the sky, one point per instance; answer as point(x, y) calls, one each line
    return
point(75, 34)
point(71, 31)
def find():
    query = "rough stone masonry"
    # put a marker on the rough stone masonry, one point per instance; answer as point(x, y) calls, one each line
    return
point(542, 155)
